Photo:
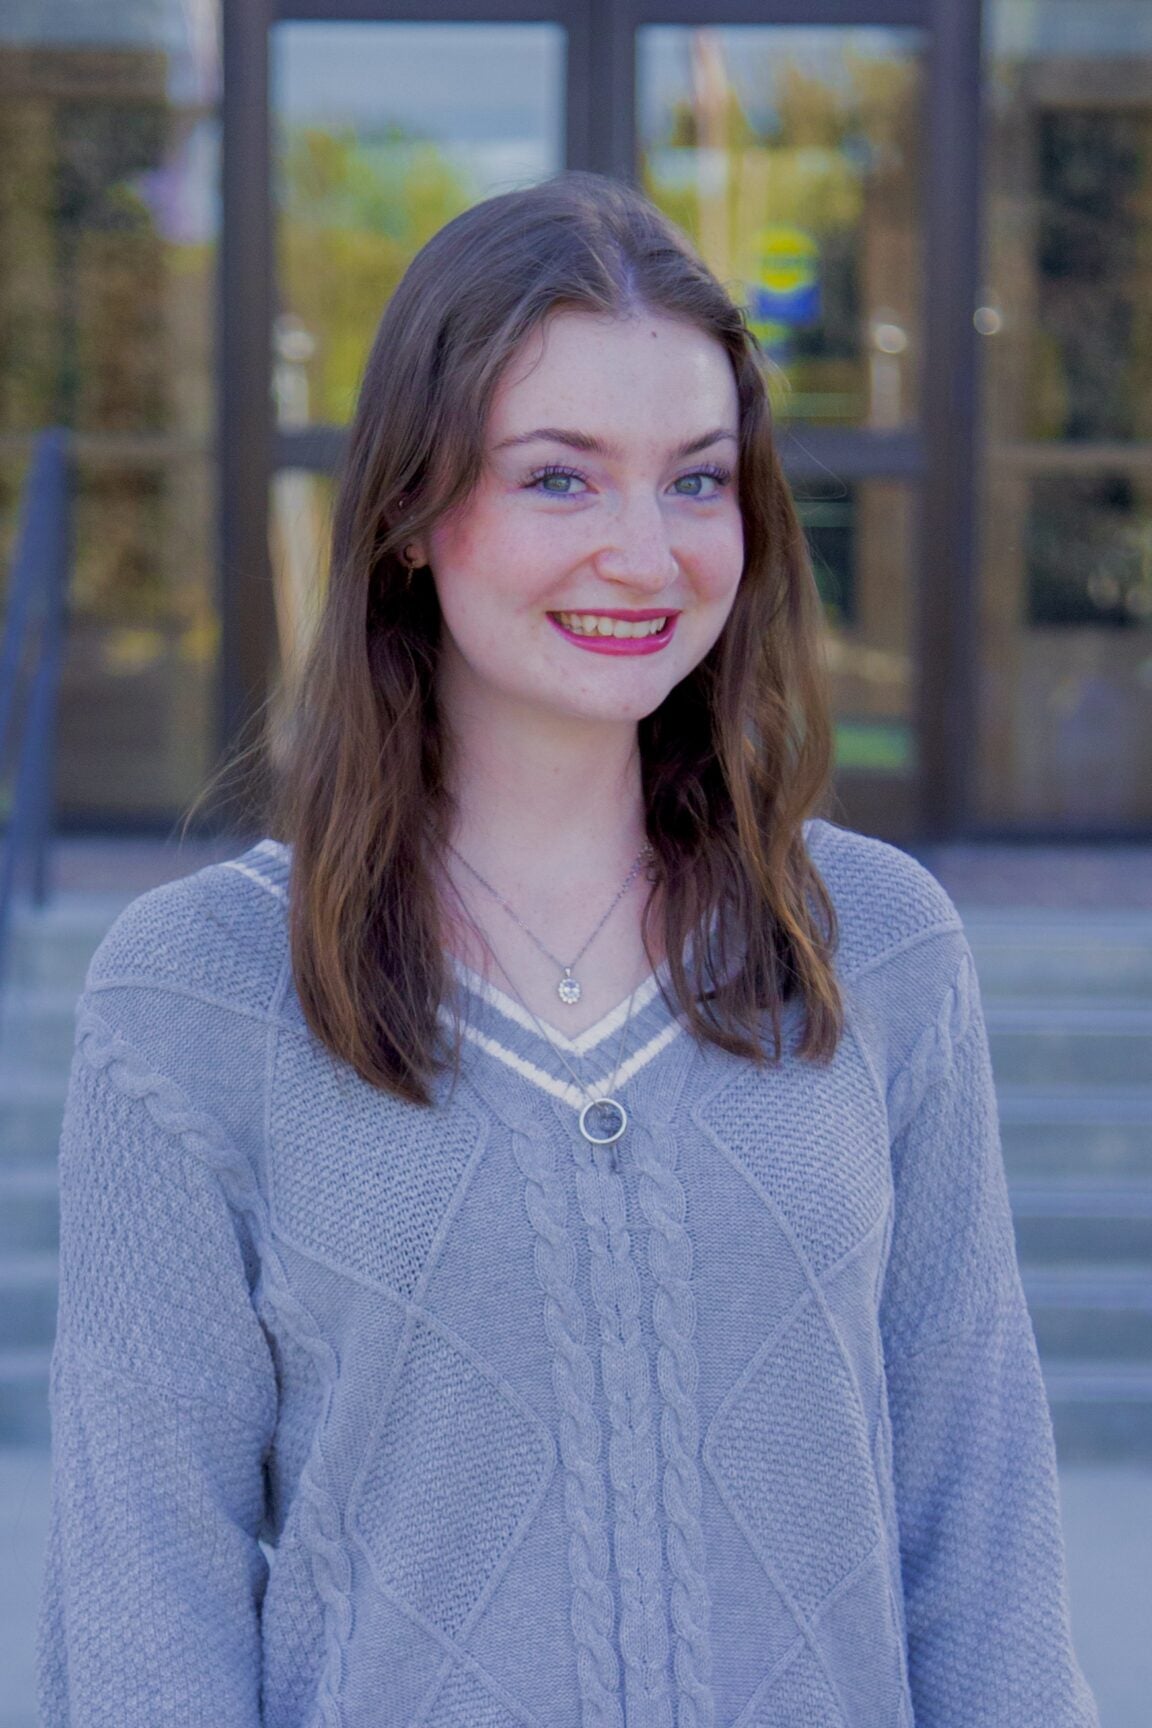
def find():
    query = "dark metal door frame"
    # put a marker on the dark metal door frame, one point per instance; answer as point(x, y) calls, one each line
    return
point(940, 453)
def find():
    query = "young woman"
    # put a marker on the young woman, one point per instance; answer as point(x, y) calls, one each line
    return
point(535, 1245)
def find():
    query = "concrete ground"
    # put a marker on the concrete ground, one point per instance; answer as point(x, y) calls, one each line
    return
point(1107, 1524)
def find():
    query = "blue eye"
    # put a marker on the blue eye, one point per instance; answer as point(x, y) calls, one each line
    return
point(689, 485)
point(555, 480)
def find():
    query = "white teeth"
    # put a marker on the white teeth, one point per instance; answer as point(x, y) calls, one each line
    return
point(595, 624)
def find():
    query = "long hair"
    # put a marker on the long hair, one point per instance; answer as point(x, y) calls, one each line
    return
point(732, 762)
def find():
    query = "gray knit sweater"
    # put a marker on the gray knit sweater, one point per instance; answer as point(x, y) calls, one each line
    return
point(375, 1415)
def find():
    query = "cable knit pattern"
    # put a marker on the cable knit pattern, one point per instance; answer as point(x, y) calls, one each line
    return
point(368, 1416)
point(103, 1050)
point(573, 1379)
point(632, 1444)
point(664, 1204)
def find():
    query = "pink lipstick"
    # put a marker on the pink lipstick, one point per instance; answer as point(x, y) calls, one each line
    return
point(650, 644)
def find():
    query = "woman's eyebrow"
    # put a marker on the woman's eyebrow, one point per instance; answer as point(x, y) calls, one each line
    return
point(598, 447)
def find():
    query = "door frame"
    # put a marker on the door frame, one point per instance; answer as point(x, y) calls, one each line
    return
point(939, 455)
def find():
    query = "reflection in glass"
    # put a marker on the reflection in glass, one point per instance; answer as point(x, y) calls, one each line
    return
point(383, 133)
point(860, 540)
point(109, 136)
point(791, 156)
point(1089, 551)
point(1066, 659)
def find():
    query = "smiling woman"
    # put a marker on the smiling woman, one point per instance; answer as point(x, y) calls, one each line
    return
point(579, 450)
point(535, 1246)
point(636, 551)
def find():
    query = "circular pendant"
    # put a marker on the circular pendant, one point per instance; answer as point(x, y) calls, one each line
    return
point(603, 1121)
point(569, 990)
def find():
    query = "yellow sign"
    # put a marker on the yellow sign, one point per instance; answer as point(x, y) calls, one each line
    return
point(783, 280)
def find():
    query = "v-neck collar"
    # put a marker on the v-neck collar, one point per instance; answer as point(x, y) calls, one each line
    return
point(583, 1042)
point(604, 1056)
point(500, 1027)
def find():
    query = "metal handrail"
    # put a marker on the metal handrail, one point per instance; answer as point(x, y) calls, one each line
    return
point(32, 645)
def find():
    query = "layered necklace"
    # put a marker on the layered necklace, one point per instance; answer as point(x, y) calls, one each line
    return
point(568, 988)
point(603, 1119)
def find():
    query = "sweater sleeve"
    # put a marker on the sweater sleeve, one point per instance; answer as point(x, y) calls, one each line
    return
point(163, 1405)
point(973, 1456)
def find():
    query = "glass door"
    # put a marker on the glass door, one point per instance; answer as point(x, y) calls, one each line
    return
point(382, 130)
point(1065, 737)
point(819, 154)
point(792, 155)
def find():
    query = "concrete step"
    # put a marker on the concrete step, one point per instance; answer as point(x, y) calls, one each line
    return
point(1034, 952)
point(24, 1416)
point(52, 945)
point(1101, 1411)
point(28, 1297)
point(1066, 1130)
point(31, 1112)
point(29, 1209)
point(1095, 1313)
point(1100, 1044)
point(1082, 1219)
point(37, 1029)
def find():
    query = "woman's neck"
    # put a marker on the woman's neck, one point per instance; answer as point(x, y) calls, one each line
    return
point(543, 791)
point(551, 817)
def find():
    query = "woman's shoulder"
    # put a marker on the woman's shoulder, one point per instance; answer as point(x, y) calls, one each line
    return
point(219, 933)
point(885, 900)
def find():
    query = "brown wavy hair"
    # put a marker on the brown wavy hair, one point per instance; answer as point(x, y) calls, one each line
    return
point(732, 762)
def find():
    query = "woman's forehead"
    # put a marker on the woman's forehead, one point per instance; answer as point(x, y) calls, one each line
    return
point(583, 368)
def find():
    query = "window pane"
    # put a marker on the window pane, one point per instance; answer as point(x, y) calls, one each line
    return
point(1066, 710)
point(860, 537)
point(791, 156)
point(109, 141)
point(383, 132)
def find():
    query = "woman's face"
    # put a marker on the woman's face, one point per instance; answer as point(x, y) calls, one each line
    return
point(596, 561)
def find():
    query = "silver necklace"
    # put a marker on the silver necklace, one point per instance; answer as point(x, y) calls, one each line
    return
point(603, 1119)
point(568, 989)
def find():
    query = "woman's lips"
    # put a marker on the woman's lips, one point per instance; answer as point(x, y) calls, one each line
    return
point(620, 644)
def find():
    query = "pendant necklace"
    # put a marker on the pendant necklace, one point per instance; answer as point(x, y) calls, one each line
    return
point(568, 989)
point(603, 1119)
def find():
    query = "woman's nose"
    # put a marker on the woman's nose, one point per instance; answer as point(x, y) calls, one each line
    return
point(637, 548)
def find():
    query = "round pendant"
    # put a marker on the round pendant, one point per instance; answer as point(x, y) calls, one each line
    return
point(569, 990)
point(603, 1121)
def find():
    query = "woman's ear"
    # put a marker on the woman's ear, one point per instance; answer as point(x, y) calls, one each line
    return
point(415, 554)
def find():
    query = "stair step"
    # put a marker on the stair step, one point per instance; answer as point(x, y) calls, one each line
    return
point(37, 1029)
point(29, 1209)
point(31, 1112)
point(1101, 1410)
point(1033, 952)
point(1039, 1044)
point(24, 1413)
point(1074, 1130)
point(1082, 1218)
point(52, 945)
point(29, 1281)
point(1091, 1312)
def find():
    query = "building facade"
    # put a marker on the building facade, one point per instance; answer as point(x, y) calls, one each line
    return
point(938, 216)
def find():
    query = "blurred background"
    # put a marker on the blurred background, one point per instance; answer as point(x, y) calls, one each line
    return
point(938, 215)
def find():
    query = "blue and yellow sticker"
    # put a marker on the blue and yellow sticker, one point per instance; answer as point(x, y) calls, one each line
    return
point(782, 290)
